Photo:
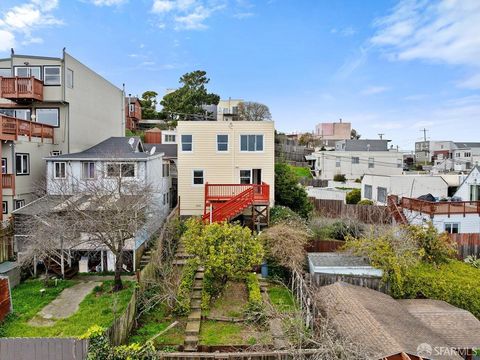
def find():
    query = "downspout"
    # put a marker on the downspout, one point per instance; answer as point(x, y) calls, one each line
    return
point(64, 95)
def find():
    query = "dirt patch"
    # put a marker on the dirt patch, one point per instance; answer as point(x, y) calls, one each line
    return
point(232, 301)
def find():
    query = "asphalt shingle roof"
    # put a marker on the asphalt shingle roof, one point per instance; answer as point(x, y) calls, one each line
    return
point(366, 145)
point(336, 259)
point(170, 150)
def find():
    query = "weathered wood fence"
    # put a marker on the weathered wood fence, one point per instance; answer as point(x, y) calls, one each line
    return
point(371, 282)
point(467, 244)
point(369, 214)
point(324, 245)
point(262, 355)
point(43, 349)
point(5, 298)
point(120, 329)
point(301, 290)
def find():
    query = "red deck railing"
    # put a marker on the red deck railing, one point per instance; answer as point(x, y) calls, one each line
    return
point(224, 201)
point(395, 211)
point(20, 88)
point(442, 207)
point(14, 127)
point(8, 181)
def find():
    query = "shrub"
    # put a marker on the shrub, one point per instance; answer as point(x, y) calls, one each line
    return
point(473, 260)
point(255, 310)
point(182, 306)
point(353, 197)
point(436, 248)
point(288, 192)
point(341, 229)
point(283, 213)
point(365, 202)
point(454, 282)
point(340, 178)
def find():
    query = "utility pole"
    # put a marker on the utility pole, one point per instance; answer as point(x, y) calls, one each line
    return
point(424, 142)
point(381, 136)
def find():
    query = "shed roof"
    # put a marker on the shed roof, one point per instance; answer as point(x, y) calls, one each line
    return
point(336, 259)
point(366, 145)
point(385, 326)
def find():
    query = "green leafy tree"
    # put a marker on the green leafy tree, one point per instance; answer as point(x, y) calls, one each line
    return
point(188, 100)
point(149, 105)
point(225, 250)
point(436, 248)
point(353, 196)
point(288, 192)
point(253, 111)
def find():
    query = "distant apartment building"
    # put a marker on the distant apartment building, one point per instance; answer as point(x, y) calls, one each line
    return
point(428, 151)
point(355, 158)
point(133, 113)
point(225, 165)
point(330, 133)
point(49, 106)
point(228, 109)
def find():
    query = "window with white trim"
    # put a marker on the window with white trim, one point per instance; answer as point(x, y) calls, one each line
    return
point(251, 143)
point(120, 170)
point(59, 170)
point(222, 143)
point(131, 108)
point(187, 143)
point(5, 207)
point(198, 177)
point(368, 191)
point(52, 75)
point(22, 164)
point(355, 160)
point(48, 116)
point(29, 71)
point(88, 170)
point(371, 163)
point(245, 176)
point(170, 138)
point(337, 161)
point(55, 152)
point(382, 194)
point(452, 228)
point(70, 78)
point(4, 165)
point(18, 204)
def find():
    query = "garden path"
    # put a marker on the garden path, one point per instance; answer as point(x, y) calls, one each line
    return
point(65, 305)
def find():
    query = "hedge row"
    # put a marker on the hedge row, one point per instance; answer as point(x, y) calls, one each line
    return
point(456, 282)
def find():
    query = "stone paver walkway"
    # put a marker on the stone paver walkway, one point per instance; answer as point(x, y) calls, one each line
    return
point(65, 305)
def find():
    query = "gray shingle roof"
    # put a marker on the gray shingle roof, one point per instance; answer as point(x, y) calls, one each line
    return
point(385, 326)
point(467, 145)
point(170, 150)
point(113, 147)
point(366, 145)
point(336, 259)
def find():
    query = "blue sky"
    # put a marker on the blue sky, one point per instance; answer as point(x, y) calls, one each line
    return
point(387, 66)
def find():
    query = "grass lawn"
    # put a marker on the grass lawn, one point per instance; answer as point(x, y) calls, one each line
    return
point(302, 172)
point(154, 322)
point(232, 302)
point(96, 308)
point(281, 298)
point(226, 333)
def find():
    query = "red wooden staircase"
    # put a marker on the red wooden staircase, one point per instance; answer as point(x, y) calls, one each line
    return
point(396, 212)
point(223, 202)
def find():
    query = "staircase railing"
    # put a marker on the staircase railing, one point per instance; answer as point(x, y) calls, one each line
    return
point(231, 207)
point(395, 211)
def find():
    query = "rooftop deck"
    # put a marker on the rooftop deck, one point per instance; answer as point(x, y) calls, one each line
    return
point(442, 207)
point(21, 89)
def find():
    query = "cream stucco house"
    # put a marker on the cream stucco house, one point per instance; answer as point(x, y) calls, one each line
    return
point(225, 168)
point(49, 106)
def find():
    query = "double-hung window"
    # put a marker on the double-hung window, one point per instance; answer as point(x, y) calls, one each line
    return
point(355, 160)
point(19, 203)
point(368, 191)
point(381, 194)
point(371, 163)
point(251, 143)
point(22, 164)
point(4, 165)
point(88, 170)
point(47, 116)
point(452, 228)
point(198, 178)
point(4, 207)
point(245, 176)
point(59, 170)
point(51, 75)
point(222, 143)
point(187, 145)
point(170, 138)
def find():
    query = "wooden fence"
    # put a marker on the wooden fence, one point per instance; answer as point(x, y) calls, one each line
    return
point(369, 214)
point(467, 244)
point(261, 355)
point(43, 349)
point(371, 282)
point(5, 298)
point(120, 329)
point(6, 248)
point(324, 245)
point(301, 291)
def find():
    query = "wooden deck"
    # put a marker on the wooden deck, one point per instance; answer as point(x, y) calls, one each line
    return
point(442, 207)
point(21, 89)
point(11, 128)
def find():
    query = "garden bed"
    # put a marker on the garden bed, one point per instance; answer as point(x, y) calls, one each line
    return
point(99, 307)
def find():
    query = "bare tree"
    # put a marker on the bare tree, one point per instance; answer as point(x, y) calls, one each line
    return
point(253, 111)
point(90, 215)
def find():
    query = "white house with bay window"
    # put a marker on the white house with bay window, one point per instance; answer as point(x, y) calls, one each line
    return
point(49, 106)
point(222, 152)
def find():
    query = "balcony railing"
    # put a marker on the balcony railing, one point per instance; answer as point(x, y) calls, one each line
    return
point(8, 181)
point(11, 128)
point(20, 88)
point(442, 207)
point(223, 192)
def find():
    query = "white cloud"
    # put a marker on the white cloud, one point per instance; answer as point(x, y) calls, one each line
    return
point(444, 31)
point(22, 20)
point(372, 90)
point(186, 14)
point(108, 2)
point(472, 82)
point(353, 63)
